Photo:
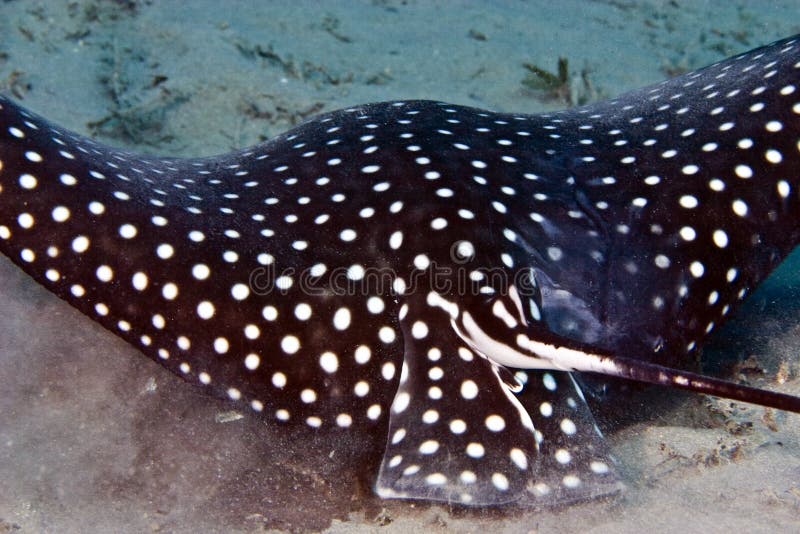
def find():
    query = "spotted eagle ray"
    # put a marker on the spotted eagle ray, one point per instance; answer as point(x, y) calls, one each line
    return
point(433, 272)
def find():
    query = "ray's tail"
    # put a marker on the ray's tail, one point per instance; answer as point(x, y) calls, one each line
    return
point(567, 358)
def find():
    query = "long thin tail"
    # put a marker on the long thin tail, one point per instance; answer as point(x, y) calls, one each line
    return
point(665, 376)
point(551, 355)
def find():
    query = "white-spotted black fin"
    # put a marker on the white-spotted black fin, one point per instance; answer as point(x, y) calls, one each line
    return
point(464, 430)
point(574, 461)
point(456, 432)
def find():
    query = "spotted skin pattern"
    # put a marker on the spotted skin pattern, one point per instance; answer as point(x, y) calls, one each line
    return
point(418, 268)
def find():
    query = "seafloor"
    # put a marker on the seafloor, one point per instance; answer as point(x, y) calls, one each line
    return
point(96, 438)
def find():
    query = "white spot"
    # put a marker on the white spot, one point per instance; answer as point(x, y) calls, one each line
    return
point(284, 282)
point(318, 269)
point(290, 344)
point(773, 156)
point(28, 181)
point(221, 345)
point(784, 189)
point(419, 330)
point(739, 207)
point(429, 447)
point(270, 313)
point(165, 251)
point(398, 436)
point(387, 334)
point(362, 354)
point(465, 249)
point(347, 235)
point(240, 291)
point(205, 310)
point(361, 388)
point(500, 481)
point(329, 362)
point(302, 311)
point(80, 244)
point(438, 223)
point(519, 458)
point(169, 291)
point(279, 380)
point(388, 370)
point(355, 272)
point(25, 220)
point(201, 271)
point(598, 467)
point(774, 126)
point(127, 231)
point(495, 423)
point(469, 389)
point(96, 208)
point(341, 319)
point(475, 450)
point(549, 382)
point(688, 233)
point(308, 396)
point(555, 253)
point(743, 171)
point(396, 240)
point(314, 421)
point(720, 238)
point(430, 417)
point(661, 261)
point(435, 479)
point(374, 412)
point(422, 262)
point(458, 426)
point(344, 420)
point(563, 456)
point(468, 477)
point(688, 201)
point(104, 273)
point(568, 427)
point(252, 361)
point(697, 269)
point(690, 169)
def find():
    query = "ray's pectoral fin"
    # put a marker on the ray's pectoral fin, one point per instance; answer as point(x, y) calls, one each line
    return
point(456, 431)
